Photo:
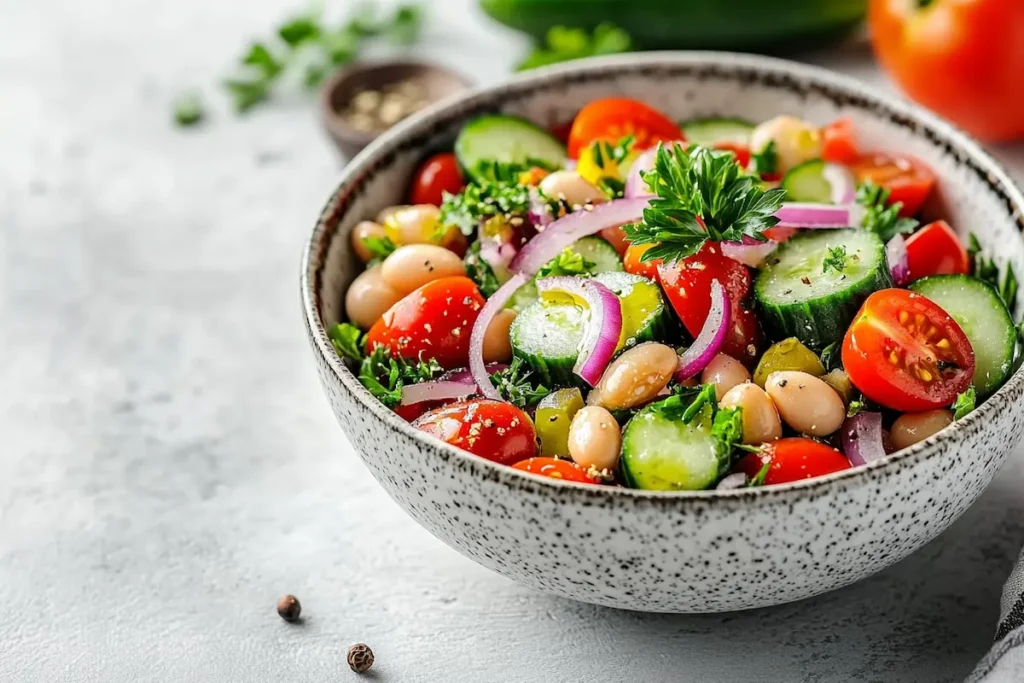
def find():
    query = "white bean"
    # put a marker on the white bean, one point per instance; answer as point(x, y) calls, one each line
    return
point(362, 231)
point(805, 402)
point(497, 345)
point(636, 377)
point(573, 188)
point(410, 267)
point(594, 439)
point(724, 372)
point(760, 419)
point(796, 141)
point(368, 298)
point(910, 428)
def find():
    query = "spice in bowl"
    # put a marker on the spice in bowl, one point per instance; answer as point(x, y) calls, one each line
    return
point(374, 110)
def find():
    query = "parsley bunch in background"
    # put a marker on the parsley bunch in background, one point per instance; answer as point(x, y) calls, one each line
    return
point(564, 43)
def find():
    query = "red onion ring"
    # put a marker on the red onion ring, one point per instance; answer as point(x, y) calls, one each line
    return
point(476, 340)
point(862, 438)
point(603, 327)
point(749, 252)
point(712, 335)
point(805, 215)
point(899, 260)
point(453, 385)
point(844, 186)
point(635, 185)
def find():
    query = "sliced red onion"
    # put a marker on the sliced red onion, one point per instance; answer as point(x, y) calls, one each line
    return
point(737, 480)
point(497, 256)
point(476, 340)
point(899, 261)
point(566, 230)
point(749, 252)
point(712, 335)
point(805, 215)
point(635, 185)
point(603, 328)
point(540, 211)
point(453, 385)
point(844, 186)
point(862, 438)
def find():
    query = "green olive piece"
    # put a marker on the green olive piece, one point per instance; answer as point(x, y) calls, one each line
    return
point(788, 354)
point(554, 415)
point(840, 381)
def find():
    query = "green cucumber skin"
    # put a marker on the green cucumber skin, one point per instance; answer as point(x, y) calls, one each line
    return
point(648, 462)
point(468, 147)
point(823, 321)
point(986, 310)
point(696, 129)
point(690, 24)
point(794, 183)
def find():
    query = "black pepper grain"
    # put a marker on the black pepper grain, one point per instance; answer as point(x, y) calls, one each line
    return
point(360, 658)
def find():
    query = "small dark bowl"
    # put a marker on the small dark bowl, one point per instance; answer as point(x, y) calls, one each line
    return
point(438, 83)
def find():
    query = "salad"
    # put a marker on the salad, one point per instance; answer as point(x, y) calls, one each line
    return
point(637, 302)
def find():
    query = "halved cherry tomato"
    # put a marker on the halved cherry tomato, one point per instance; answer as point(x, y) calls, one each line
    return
point(556, 469)
point(780, 234)
point(908, 180)
point(687, 284)
point(793, 459)
point(494, 430)
point(413, 410)
point(906, 353)
point(632, 263)
point(561, 130)
point(741, 152)
point(616, 237)
point(435, 321)
point(614, 118)
point(936, 250)
point(438, 174)
point(839, 142)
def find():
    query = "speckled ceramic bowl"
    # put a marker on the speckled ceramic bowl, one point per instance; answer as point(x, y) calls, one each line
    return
point(674, 552)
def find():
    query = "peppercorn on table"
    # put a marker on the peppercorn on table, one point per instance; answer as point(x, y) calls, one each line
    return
point(169, 469)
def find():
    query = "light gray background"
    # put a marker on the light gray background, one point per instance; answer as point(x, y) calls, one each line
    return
point(168, 467)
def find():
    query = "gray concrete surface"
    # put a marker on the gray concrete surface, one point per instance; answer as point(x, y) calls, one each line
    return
point(168, 467)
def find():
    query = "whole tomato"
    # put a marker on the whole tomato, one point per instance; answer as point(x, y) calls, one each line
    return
point(494, 430)
point(438, 174)
point(962, 58)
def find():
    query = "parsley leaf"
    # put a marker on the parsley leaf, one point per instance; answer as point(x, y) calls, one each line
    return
point(188, 109)
point(515, 385)
point(759, 478)
point(965, 403)
point(480, 272)
point(607, 155)
point(380, 247)
point(685, 403)
point(564, 43)
point(406, 25)
point(727, 430)
point(985, 269)
point(567, 263)
point(856, 405)
point(347, 341)
point(766, 161)
point(385, 375)
point(700, 183)
point(885, 221)
point(835, 259)
point(478, 202)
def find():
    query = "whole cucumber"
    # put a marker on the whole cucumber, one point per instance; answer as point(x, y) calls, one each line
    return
point(746, 25)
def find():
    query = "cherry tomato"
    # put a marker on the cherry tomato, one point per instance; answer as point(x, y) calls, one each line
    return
point(494, 430)
point(632, 263)
point(556, 469)
point(908, 180)
point(780, 234)
point(616, 236)
point(741, 152)
point(412, 411)
point(687, 284)
point(616, 117)
point(839, 142)
point(438, 174)
point(936, 250)
point(793, 459)
point(976, 45)
point(561, 130)
point(435, 321)
point(906, 353)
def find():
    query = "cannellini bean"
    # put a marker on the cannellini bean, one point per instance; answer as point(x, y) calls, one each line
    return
point(805, 402)
point(760, 419)
point(595, 439)
point(910, 428)
point(368, 298)
point(417, 224)
point(384, 214)
point(636, 377)
point(573, 188)
point(497, 345)
point(414, 265)
point(362, 231)
point(796, 141)
point(724, 372)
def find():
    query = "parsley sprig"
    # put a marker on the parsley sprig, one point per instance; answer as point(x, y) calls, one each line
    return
point(347, 341)
point(480, 272)
point(517, 386)
point(568, 262)
point(965, 403)
point(883, 220)
point(835, 259)
point(379, 247)
point(700, 183)
point(385, 375)
point(985, 269)
point(766, 161)
point(563, 44)
point(481, 201)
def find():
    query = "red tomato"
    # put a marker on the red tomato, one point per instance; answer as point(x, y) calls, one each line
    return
point(556, 469)
point(906, 353)
point(793, 459)
point(741, 152)
point(434, 321)
point(561, 130)
point(616, 117)
point(440, 173)
point(839, 142)
point(962, 58)
point(632, 263)
point(936, 250)
point(414, 410)
point(494, 430)
point(780, 234)
point(616, 237)
point(687, 284)
point(908, 180)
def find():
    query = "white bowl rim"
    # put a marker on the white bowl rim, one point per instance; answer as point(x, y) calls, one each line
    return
point(519, 480)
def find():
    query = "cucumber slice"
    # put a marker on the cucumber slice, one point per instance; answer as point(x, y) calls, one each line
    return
point(983, 316)
point(666, 455)
point(710, 131)
point(807, 183)
point(595, 249)
point(799, 298)
point(547, 333)
point(508, 139)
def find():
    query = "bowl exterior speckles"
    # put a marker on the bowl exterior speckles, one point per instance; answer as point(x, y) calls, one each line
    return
point(674, 552)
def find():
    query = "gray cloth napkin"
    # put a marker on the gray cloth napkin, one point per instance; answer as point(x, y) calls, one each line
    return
point(1004, 663)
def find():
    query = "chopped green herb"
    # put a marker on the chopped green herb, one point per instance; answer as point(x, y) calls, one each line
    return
point(567, 263)
point(965, 403)
point(385, 375)
point(835, 259)
point(727, 430)
point(606, 154)
point(478, 202)
point(564, 44)
point(766, 161)
point(515, 385)
point(379, 247)
point(480, 272)
point(883, 220)
point(985, 269)
point(700, 183)
point(613, 187)
point(856, 405)
point(685, 403)
point(347, 341)
point(188, 109)
point(761, 475)
point(831, 357)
